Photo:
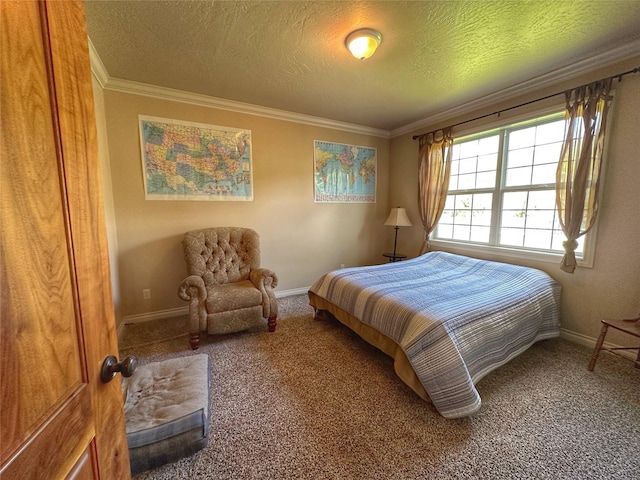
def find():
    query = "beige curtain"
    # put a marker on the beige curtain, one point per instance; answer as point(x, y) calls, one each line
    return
point(578, 174)
point(434, 168)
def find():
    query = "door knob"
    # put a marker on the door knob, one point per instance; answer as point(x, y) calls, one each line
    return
point(111, 366)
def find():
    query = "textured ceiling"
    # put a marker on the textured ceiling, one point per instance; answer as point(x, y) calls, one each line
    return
point(290, 55)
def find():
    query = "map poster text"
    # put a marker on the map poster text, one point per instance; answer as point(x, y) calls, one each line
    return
point(193, 161)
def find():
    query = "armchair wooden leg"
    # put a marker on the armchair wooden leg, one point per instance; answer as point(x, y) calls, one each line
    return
point(272, 323)
point(194, 340)
point(599, 343)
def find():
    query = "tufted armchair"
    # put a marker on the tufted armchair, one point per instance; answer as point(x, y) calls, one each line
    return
point(226, 289)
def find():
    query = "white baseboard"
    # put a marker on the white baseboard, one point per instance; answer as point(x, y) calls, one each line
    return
point(292, 292)
point(578, 338)
point(177, 312)
point(590, 342)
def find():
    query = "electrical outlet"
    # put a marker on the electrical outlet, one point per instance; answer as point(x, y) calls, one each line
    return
point(146, 293)
point(342, 265)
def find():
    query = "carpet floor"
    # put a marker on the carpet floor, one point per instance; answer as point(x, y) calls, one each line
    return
point(314, 401)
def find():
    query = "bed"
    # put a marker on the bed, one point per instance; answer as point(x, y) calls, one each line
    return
point(447, 320)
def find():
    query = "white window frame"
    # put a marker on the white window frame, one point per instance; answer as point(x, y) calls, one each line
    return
point(462, 247)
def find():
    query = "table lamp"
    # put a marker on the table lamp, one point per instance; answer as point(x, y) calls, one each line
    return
point(398, 218)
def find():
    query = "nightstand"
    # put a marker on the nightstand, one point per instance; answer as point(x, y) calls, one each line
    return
point(394, 257)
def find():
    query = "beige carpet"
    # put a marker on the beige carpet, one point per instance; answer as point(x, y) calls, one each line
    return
point(313, 401)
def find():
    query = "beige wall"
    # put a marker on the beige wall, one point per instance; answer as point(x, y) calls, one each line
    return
point(300, 239)
point(612, 287)
point(107, 189)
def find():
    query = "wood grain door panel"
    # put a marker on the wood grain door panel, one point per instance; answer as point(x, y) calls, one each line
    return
point(56, 326)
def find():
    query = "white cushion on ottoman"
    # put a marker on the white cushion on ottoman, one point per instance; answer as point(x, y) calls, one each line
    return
point(167, 410)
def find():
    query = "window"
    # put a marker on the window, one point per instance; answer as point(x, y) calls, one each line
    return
point(502, 189)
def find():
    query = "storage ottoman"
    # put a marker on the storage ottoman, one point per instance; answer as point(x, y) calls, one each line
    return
point(167, 411)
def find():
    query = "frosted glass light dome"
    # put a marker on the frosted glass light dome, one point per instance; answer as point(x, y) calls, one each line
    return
point(363, 43)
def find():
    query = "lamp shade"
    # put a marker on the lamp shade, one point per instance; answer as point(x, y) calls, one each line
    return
point(398, 218)
point(363, 43)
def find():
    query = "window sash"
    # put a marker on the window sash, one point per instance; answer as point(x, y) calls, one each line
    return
point(458, 225)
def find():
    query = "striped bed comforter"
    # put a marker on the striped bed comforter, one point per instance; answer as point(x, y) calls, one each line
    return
point(456, 318)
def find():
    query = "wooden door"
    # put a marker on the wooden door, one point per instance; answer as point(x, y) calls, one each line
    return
point(57, 419)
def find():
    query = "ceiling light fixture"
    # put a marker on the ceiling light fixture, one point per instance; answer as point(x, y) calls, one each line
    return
point(362, 43)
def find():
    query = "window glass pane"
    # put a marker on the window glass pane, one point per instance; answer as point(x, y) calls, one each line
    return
point(446, 217)
point(482, 201)
point(487, 163)
point(537, 239)
point(542, 199)
point(462, 217)
point(444, 231)
point(558, 238)
point(547, 153)
point(481, 214)
point(513, 219)
point(522, 138)
point(486, 180)
point(520, 158)
point(477, 164)
point(534, 213)
point(461, 232)
point(518, 176)
point(482, 218)
point(479, 234)
point(467, 182)
point(453, 182)
point(488, 145)
point(540, 219)
point(455, 167)
point(466, 217)
point(455, 151)
point(544, 174)
point(468, 165)
point(515, 200)
point(512, 236)
point(469, 149)
point(463, 202)
point(550, 132)
point(449, 204)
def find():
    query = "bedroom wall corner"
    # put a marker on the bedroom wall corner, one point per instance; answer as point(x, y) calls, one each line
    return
point(107, 193)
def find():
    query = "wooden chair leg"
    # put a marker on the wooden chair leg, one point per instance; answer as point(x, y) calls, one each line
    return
point(599, 343)
point(194, 340)
point(272, 323)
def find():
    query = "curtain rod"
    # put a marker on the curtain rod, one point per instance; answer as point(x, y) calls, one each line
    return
point(498, 112)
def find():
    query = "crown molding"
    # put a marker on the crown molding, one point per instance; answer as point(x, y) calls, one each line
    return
point(97, 67)
point(550, 79)
point(136, 88)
